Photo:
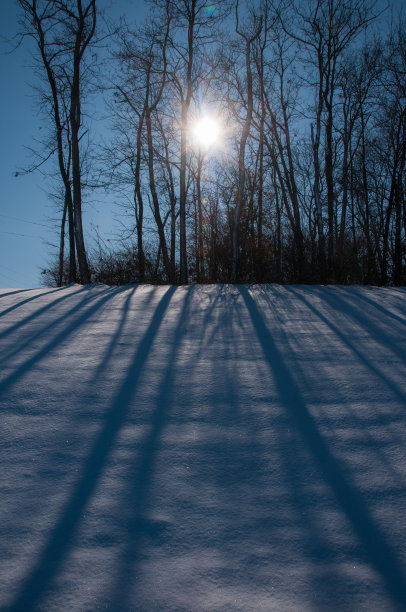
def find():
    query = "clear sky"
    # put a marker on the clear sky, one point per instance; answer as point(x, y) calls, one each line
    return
point(28, 219)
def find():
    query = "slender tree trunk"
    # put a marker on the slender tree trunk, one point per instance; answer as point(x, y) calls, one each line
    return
point(62, 243)
point(182, 199)
point(183, 141)
point(139, 202)
point(81, 43)
point(172, 199)
point(330, 197)
point(397, 263)
point(200, 249)
point(154, 195)
point(239, 200)
point(75, 122)
point(367, 213)
point(72, 241)
point(344, 203)
point(317, 200)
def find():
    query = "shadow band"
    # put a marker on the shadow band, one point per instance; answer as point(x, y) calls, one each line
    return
point(381, 555)
point(61, 538)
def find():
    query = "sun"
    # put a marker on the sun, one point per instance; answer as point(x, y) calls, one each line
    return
point(206, 132)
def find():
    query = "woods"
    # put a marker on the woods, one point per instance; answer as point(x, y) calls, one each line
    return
point(305, 181)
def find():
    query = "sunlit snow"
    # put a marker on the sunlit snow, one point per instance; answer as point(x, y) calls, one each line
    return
point(203, 449)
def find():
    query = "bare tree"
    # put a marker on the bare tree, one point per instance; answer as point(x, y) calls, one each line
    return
point(194, 21)
point(395, 113)
point(139, 89)
point(248, 38)
point(63, 31)
point(326, 28)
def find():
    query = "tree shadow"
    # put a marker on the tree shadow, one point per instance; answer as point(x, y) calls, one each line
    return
point(60, 540)
point(26, 301)
point(361, 296)
point(72, 323)
point(380, 554)
point(259, 508)
point(37, 313)
point(363, 319)
point(102, 366)
point(375, 333)
point(237, 501)
point(366, 435)
point(3, 295)
point(339, 307)
point(243, 499)
point(53, 454)
point(135, 508)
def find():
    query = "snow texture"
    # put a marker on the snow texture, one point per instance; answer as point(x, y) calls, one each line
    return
point(203, 449)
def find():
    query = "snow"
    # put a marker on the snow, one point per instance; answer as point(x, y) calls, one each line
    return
point(203, 449)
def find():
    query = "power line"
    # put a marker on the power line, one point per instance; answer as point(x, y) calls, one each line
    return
point(19, 235)
point(23, 220)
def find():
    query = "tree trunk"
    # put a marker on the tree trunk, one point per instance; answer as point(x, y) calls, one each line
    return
point(138, 201)
point(75, 123)
point(154, 195)
point(317, 201)
point(239, 200)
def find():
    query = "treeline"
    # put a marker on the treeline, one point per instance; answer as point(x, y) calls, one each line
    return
point(307, 181)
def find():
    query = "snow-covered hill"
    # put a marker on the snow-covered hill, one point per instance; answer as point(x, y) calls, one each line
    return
point(203, 449)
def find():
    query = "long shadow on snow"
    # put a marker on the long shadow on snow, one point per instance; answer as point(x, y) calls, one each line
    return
point(3, 295)
point(249, 524)
point(37, 313)
point(66, 332)
point(347, 291)
point(380, 554)
point(60, 540)
point(342, 303)
point(65, 317)
point(364, 430)
point(397, 477)
point(27, 300)
point(374, 332)
point(96, 301)
point(136, 507)
point(102, 365)
point(48, 460)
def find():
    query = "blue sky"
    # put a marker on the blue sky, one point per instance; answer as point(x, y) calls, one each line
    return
point(21, 243)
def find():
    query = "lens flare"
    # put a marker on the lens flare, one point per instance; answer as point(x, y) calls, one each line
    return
point(209, 10)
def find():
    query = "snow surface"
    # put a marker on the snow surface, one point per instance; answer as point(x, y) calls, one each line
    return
point(203, 449)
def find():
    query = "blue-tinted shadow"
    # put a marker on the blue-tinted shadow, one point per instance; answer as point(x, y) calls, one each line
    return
point(77, 321)
point(61, 537)
point(27, 300)
point(381, 556)
point(135, 506)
